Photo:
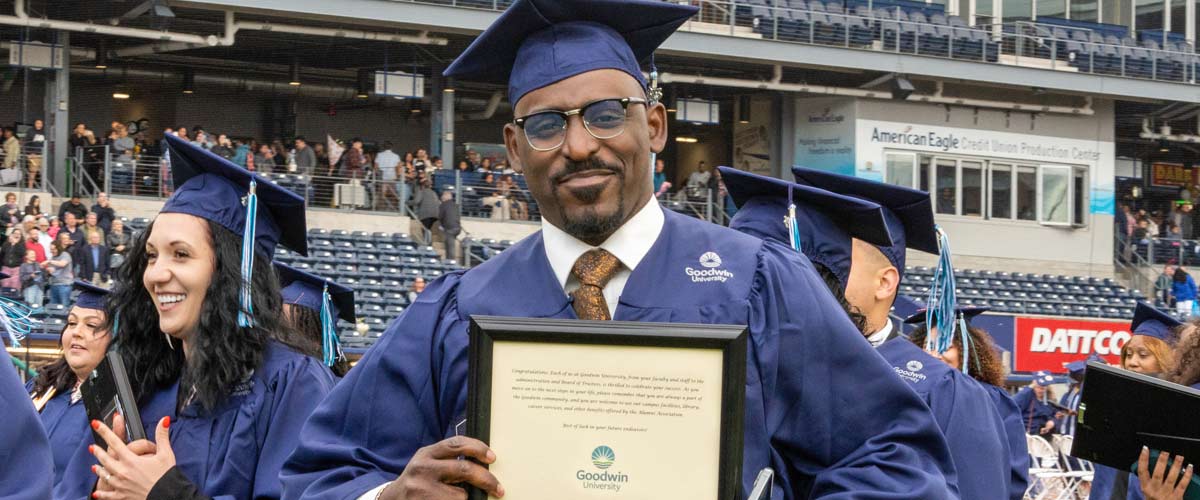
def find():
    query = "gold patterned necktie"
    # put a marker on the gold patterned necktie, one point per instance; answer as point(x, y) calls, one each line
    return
point(593, 270)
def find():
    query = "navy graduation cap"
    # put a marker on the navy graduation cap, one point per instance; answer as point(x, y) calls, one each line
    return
point(90, 296)
point(966, 312)
point(323, 296)
point(1151, 322)
point(536, 43)
point(1043, 378)
point(814, 221)
point(1077, 367)
point(213, 188)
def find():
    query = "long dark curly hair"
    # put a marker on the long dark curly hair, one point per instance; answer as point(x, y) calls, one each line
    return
point(57, 375)
point(839, 292)
point(223, 354)
point(1187, 355)
point(303, 334)
point(984, 365)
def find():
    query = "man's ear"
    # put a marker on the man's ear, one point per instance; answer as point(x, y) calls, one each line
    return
point(512, 134)
point(887, 282)
point(656, 126)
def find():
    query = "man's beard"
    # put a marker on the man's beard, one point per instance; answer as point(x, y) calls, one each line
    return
point(590, 225)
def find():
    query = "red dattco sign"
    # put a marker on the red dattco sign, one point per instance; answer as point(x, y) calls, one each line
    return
point(1048, 343)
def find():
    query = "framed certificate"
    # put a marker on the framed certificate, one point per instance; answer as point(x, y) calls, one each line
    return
point(608, 409)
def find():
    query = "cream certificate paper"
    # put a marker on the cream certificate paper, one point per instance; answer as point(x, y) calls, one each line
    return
point(605, 422)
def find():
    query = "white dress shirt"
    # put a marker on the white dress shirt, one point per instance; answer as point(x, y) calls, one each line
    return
point(880, 336)
point(629, 244)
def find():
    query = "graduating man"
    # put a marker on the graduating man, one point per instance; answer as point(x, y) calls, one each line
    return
point(826, 232)
point(585, 135)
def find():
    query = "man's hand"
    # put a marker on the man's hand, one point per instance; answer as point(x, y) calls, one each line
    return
point(1048, 427)
point(435, 471)
point(1163, 484)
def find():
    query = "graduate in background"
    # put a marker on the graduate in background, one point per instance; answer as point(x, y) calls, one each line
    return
point(825, 227)
point(986, 368)
point(312, 306)
point(24, 448)
point(1070, 399)
point(223, 399)
point(1036, 413)
point(84, 341)
point(585, 134)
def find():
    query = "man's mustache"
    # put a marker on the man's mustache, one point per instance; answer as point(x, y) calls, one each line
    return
point(575, 167)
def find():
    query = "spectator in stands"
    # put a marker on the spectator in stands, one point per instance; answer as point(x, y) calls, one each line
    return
point(1164, 283)
point(354, 161)
point(93, 266)
point(28, 222)
point(73, 206)
point(34, 207)
point(425, 204)
point(1141, 233)
point(448, 216)
point(117, 242)
point(421, 161)
point(1173, 232)
point(62, 274)
point(1033, 401)
point(306, 160)
point(32, 244)
point(387, 162)
point(321, 155)
point(224, 147)
point(240, 151)
point(518, 207)
point(698, 180)
point(12, 148)
point(1153, 228)
point(33, 280)
point(49, 227)
point(1182, 217)
point(1183, 290)
point(492, 197)
point(279, 155)
point(264, 159)
point(660, 175)
point(72, 228)
point(12, 252)
point(437, 163)
point(418, 286)
point(464, 166)
point(35, 142)
point(121, 148)
point(10, 212)
point(1124, 219)
point(485, 165)
point(104, 211)
point(91, 226)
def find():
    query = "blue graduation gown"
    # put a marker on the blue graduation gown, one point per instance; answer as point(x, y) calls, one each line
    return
point(1034, 412)
point(822, 408)
point(66, 425)
point(25, 461)
point(236, 451)
point(1066, 425)
point(964, 412)
point(1014, 432)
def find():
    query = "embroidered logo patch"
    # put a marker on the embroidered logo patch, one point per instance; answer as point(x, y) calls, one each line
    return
point(710, 264)
point(914, 366)
point(710, 260)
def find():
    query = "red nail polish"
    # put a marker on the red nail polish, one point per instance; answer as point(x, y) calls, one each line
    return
point(166, 422)
point(94, 466)
point(92, 450)
point(95, 495)
point(96, 424)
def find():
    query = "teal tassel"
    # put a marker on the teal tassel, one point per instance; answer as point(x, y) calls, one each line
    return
point(116, 326)
point(967, 350)
point(793, 227)
point(17, 319)
point(940, 308)
point(246, 312)
point(331, 347)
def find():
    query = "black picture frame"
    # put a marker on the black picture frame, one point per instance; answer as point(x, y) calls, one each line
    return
point(729, 339)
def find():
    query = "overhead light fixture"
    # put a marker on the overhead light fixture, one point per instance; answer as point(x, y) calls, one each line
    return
point(685, 139)
point(189, 81)
point(1164, 146)
point(120, 95)
point(668, 99)
point(363, 88)
point(902, 87)
point(449, 89)
point(102, 54)
point(416, 106)
point(744, 109)
point(294, 74)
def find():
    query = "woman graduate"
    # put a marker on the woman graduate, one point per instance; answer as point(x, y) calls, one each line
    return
point(987, 369)
point(56, 393)
point(24, 449)
point(223, 399)
point(312, 306)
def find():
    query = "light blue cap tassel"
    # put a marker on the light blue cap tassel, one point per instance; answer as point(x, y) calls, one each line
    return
point(793, 227)
point(246, 311)
point(942, 304)
point(331, 347)
point(17, 319)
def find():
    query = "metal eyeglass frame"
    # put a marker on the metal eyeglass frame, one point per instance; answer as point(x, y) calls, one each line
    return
point(566, 116)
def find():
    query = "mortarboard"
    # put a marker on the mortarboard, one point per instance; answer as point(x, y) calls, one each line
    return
point(213, 188)
point(1151, 322)
point(536, 43)
point(967, 313)
point(323, 296)
point(1076, 368)
point(1043, 378)
point(90, 296)
point(825, 222)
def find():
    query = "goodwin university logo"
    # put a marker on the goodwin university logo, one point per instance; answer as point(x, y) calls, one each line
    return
point(603, 457)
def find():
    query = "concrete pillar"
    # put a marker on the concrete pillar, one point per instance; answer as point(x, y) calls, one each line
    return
point(58, 120)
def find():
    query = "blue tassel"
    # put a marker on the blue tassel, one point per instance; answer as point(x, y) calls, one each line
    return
point(18, 321)
point(940, 310)
point(246, 312)
point(116, 326)
point(967, 350)
point(790, 222)
point(331, 347)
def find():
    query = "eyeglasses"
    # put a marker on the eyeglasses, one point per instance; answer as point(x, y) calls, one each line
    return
point(604, 119)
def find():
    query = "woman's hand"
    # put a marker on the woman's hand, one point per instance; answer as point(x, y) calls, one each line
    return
point(130, 472)
point(1163, 484)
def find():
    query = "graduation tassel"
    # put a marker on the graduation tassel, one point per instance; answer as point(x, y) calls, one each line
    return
point(246, 312)
point(330, 345)
point(17, 319)
point(793, 227)
point(967, 351)
point(940, 310)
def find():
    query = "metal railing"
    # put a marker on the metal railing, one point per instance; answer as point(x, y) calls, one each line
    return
point(863, 25)
point(1130, 264)
point(26, 172)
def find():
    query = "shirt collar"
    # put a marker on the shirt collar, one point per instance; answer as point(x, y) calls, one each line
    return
point(880, 336)
point(630, 243)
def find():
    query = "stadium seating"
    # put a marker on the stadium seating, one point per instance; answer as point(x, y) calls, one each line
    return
point(1021, 293)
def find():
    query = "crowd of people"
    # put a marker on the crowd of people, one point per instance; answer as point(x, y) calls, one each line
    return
point(45, 252)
